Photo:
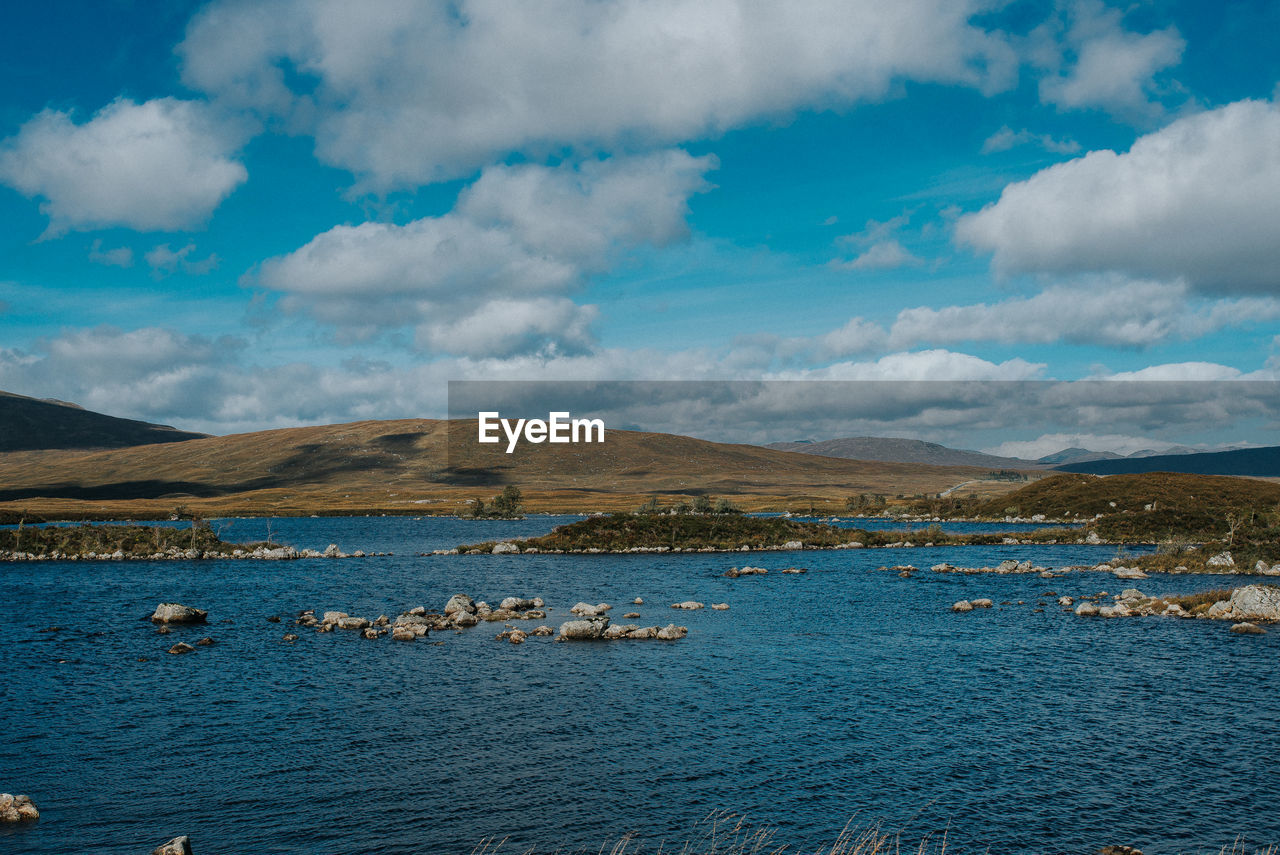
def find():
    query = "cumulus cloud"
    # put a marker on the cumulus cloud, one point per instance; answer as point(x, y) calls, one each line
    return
point(163, 261)
point(160, 165)
point(1198, 199)
point(885, 255)
point(1007, 138)
point(1109, 67)
point(493, 272)
point(120, 256)
point(1110, 311)
point(452, 87)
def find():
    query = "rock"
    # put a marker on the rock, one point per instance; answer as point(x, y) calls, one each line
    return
point(180, 648)
point(463, 619)
point(619, 631)
point(720, 607)
point(518, 604)
point(289, 636)
point(176, 846)
point(1222, 559)
point(206, 642)
point(1065, 601)
point(643, 633)
point(1092, 537)
point(962, 606)
point(505, 548)
point(793, 544)
point(417, 611)
point(590, 628)
point(588, 610)
point(17, 809)
point(982, 603)
point(333, 617)
point(688, 605)
point(638, 601)
point(518, 636)
point(353, 623)
point(178, 613)
point(459, 603)
point(671, 632)
point(372, 633)
point(543, 631)
point(795, 571)
point(1086, 609)
point(1119, 850)
point(631, 616)
point(1248, 629)
point(1254, 602)
point(332, 551)
point(1129, 573)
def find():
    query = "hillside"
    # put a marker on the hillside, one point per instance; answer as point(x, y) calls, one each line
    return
point(28, 424)
point(1257, 462)
point(411, 466)
point(893, 450)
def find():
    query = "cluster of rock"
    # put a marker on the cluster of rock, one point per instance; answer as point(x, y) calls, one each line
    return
point(735, 572)
point(1244, 606)
point(176, 846)
point(512, 548)
point(970, 605)
point(173, 553)
point(17, 809)
point(599, 628)
point(460, 612)
point(1006, 567)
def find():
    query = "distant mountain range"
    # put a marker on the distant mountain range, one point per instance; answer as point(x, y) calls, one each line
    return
point(1250, 461)
point(33, 424)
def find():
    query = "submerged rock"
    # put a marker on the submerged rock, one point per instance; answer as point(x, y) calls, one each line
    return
point(178, 613)
point(962, 606)
point(180, 648)
point(688, 605)
point(720, 607)
point(1248, 629)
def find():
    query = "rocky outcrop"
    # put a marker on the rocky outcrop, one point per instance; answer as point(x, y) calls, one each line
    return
point(1222, 559)
point(17, 809)
point(584, 630)
point(459, 603)
point(1250, 603)
point(505, 548)
point(176, 846)
point(587, 610)
point(1005, 567)
point(177, 613)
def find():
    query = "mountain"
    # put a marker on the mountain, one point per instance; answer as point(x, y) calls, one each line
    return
point(1257, 462)
point(1076, 455)
point(424, 465)
point(893, 450)
point(28, 424)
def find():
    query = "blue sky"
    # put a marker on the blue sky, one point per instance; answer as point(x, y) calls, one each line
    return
point(231, 216)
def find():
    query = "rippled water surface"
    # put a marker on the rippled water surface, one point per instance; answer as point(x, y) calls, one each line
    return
point(842, 693)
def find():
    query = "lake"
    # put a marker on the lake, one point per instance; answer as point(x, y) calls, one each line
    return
point(843, 693)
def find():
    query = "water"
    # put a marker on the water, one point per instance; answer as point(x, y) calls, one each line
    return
point(841, 693)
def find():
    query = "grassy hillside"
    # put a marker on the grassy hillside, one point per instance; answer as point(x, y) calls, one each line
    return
point(28, 424)
point(422, 466)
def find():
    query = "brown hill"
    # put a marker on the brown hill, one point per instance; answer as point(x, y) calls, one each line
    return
point(903, 451)
point(30, 423)
point(413, 466)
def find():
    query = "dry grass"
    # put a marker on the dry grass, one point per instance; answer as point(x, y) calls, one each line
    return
point(724, 833)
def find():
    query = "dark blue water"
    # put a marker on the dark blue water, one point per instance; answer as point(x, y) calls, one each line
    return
point(841, 693)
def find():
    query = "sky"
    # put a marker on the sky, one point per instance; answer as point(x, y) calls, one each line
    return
point(232, 216)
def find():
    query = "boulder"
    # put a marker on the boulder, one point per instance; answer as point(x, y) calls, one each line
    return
point(1129, 573)
point(1222, 559)
point(463, 619)
point(176, 846)
point(619, 630)
point(333, 617)
point(793, 544)
point(543, 631)
point(671, 632)
point(505, 548)
point(17, 809)
point(688, 605)
point(180, 648)
point(643, 633)
point(1247, 628)
point(517, 636)
point(638, 601)
point(460, 603)
point(1086, 609)
point(631, 616)
point(353, 623)
point(178, 613)
point(962, 606)
point(289, 636)
point(517, 604)
point(720, 607)
point(1254, 602)
point(1066, 602)
point(588, 610)
point(981, 603)
point(589, 628)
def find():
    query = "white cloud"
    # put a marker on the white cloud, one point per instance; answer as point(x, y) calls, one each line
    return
point(924, 365)
point(452, 87)
point(1007, 138)
point(1181, 371)
point(498, 265)
point(1113, 68)
point(1198, 199)
point(1110, 311)
point(885, 255)
point(163, 261)
point(120, 256)
point(856, 336)
point(157, 166)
